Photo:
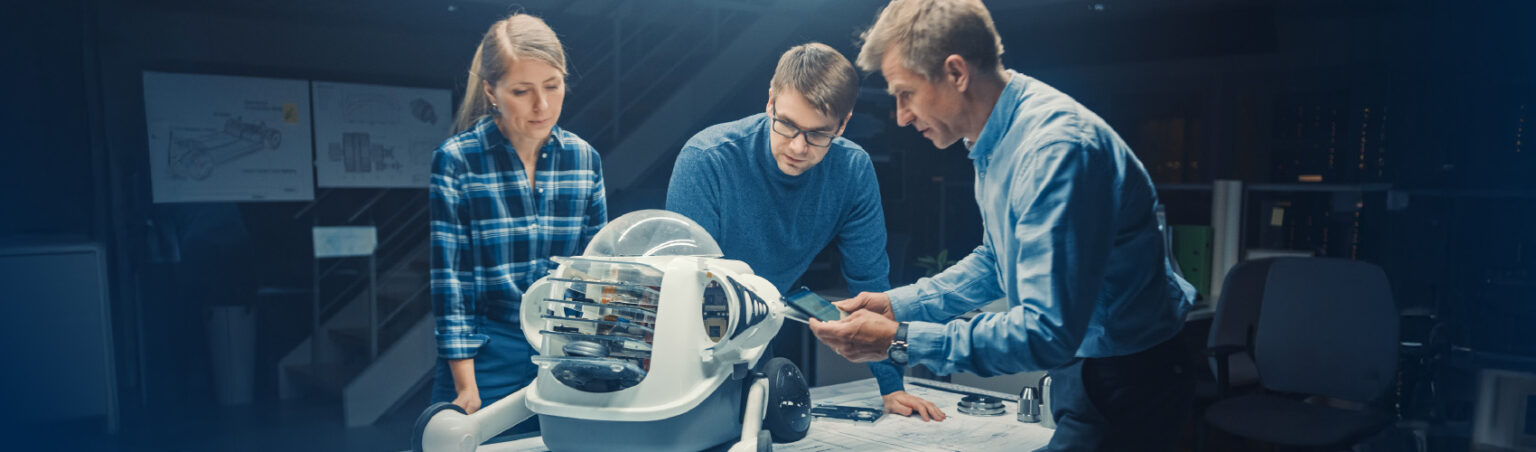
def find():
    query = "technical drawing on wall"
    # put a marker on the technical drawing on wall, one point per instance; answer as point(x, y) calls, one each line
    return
point(358, 155)
point(194, 154)
point(225, 138)
point(423, 111)
point(376, 136)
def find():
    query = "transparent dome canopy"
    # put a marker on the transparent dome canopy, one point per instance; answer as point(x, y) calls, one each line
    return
point(652, 233)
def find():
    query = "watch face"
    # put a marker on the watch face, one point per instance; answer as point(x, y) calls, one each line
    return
point(897, 354)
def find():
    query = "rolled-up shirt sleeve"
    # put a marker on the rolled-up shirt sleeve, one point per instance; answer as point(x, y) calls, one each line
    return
point(1064, 210)
point(452, 263)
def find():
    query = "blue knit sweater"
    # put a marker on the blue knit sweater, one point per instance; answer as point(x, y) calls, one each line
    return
point(726, 179)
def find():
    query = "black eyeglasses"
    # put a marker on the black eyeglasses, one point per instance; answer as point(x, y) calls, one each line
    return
point(787, 130)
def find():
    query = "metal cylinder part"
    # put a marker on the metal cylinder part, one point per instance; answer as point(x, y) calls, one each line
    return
point(980, 405)
point(1029, 405)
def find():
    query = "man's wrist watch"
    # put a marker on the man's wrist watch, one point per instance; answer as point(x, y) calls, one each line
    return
point(897, 352)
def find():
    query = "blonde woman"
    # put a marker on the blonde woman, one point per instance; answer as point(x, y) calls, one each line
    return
point(508, 190)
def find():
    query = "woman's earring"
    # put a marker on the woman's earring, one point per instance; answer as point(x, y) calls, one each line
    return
point(494, 110)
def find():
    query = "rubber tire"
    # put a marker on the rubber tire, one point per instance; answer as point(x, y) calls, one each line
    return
point(788, 417)
point(425, 417)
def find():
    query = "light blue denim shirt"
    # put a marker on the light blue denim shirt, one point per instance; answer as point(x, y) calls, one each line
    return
point(1071, 242)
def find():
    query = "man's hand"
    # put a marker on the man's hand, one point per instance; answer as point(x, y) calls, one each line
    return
point(900, 402)
point(862, 336)
point(876, 302)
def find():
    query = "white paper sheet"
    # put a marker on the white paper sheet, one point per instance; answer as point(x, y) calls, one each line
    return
point(891, 432)
point(377, 136)
point(223, 138)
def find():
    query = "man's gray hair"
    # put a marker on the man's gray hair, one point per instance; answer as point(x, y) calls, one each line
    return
point(928, 31)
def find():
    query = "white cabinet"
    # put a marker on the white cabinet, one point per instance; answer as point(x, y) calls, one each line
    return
point(56, 328)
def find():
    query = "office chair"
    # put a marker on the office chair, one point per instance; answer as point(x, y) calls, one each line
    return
point(1230, 343)
point(1327, 327)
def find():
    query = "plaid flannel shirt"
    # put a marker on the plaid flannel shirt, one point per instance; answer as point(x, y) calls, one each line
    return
point(492, 233)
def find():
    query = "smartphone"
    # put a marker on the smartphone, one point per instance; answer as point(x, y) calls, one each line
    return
point(813, 305)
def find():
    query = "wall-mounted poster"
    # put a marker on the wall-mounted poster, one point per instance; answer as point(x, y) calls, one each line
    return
point(227, 138)
point(377, 136)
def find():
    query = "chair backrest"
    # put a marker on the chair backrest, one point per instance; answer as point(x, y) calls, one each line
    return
point(1327, 327)
point(1237, 313)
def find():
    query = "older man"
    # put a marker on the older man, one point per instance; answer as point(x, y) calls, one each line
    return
point(1071, 241)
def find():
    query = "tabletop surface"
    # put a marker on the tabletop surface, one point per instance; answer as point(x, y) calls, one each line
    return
point(890, 432)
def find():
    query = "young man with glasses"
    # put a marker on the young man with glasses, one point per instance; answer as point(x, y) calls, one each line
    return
point(775, 188)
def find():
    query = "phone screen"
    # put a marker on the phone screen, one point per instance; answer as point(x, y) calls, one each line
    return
point(808, 302)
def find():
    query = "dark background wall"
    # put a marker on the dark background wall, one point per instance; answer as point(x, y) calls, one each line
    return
point(1202, 90)
point(47, 79)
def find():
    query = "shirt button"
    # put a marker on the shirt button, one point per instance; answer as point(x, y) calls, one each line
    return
point(546, 154)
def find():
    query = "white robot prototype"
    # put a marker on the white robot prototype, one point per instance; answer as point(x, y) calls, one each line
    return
point(648, 341)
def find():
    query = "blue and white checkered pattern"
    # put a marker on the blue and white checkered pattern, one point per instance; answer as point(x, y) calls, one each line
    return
point(493, 234)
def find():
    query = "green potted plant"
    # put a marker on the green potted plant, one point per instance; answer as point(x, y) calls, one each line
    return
point(932, 265)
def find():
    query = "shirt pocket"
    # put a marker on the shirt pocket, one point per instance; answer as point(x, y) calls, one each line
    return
point(568, 206)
